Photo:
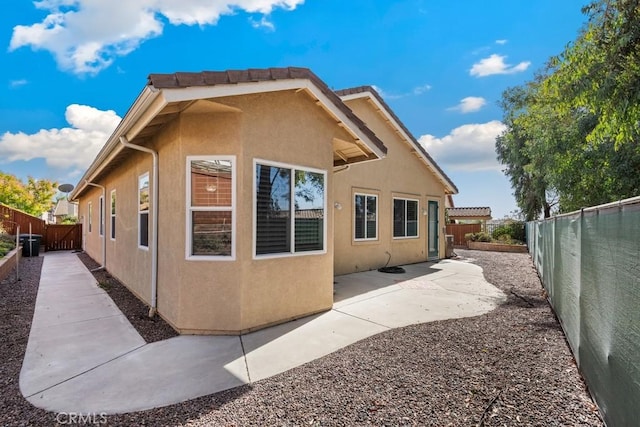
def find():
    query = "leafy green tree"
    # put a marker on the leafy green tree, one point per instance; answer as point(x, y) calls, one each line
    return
point(572, 133)
point(600, 71)
point(35, 197)
point(515, 149)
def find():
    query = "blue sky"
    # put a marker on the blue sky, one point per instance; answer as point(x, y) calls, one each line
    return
point(72, 68)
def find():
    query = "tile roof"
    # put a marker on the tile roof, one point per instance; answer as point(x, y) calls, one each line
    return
point(364, 89)
point(212, 78)
point(64, 207)
point(473, 212)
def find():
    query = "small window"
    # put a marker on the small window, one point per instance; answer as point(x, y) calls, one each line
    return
point(365, 217)
point(210, 207)
point(113, 215)
point(405, 218)
point(101, 215)
point(89, 214)
point(144, 200)
point(290, 209)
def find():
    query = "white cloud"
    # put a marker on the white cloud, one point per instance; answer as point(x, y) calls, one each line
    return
point(262, 23)
point(495, 64)
point(470, 147)
point(416, 91)
point(69, 147)
point(86, 35)
point(18, 83)
point(501, 41)
point(470, 104)
point(419, 90)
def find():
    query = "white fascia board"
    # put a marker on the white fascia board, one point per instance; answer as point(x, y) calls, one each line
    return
point(192, 93)
point(409, 139)
point(344, 119)
point(218, 91)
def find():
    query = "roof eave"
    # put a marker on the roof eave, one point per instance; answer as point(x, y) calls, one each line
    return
point(152, 99)
point(370, 93)
point(142, 103)
point(181, 94)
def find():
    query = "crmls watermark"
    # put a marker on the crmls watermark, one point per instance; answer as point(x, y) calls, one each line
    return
point(74, 418)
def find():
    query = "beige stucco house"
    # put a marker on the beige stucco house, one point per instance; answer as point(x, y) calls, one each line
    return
point(227, 201)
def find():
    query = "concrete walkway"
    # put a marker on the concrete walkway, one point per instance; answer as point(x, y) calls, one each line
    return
point(84, 356)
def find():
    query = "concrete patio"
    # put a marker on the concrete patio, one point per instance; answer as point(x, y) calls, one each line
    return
point(84, 356)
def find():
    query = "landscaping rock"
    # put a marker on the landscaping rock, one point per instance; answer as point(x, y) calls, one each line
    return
point(511, 366)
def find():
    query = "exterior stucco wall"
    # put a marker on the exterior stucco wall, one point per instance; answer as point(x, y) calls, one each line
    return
point(202, 296)
point(249, 292)
point(91, 238)
point(232, 296)
point(290, 128)
point(124, 259)
point(401, 174)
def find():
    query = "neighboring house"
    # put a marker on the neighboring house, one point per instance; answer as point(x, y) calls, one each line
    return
point(64, 208)
point(469, 215)
point(227, 201)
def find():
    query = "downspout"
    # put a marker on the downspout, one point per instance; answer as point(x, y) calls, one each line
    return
point(154, 223)
point(104, 228)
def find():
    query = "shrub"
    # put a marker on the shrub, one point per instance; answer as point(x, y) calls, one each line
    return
point(7, 243)
point(511, 232)
point(478, 237)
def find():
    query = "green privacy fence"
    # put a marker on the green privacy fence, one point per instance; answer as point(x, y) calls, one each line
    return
point(589, 263)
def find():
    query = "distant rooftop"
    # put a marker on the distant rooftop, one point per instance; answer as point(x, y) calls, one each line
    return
point(469, 213)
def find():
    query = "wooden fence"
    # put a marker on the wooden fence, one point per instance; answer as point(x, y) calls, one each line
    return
point(10, 218)
point(63, 237)
point(55, 237)
point(459, 230)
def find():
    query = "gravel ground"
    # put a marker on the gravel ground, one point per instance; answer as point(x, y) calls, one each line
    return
point(508, 367)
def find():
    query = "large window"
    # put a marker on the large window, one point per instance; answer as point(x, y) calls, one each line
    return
point(101, 215)
point(405, 218)
point(366, 217)
point(144, 200)
point(113, 215)
point(210, 207)
point(290, 208)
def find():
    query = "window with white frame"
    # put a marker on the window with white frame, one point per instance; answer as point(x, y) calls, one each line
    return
point(101, 216)
point(210, 207)
point(89, 214)
point(405, 218)
point(144, 201)
point(113, 215)
point(290, 209)
point(365, 209)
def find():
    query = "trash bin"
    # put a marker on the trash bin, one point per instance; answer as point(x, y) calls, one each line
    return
point(449, 247)
point(30, 244)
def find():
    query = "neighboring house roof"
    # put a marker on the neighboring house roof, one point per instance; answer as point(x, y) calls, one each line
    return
point(64, 207)
point(300, 214)
point(469, 213)
point(167, 95)
point(368, 91)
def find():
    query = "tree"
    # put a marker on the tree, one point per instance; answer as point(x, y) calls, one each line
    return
point(572, 133)
point(514, 148)
point(600, 71)
point(35, 197)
